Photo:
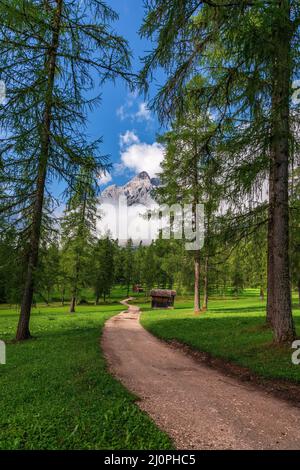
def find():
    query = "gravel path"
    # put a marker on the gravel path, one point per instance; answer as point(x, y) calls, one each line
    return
point(199, 407)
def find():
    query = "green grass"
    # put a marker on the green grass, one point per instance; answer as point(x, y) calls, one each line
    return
point(231, 329)
point(55, 392)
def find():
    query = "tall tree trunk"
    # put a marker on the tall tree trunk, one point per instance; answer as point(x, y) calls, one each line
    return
point(72, 304)
point(78, 259)
point(23, 331)
point(75, 286)
point(270, 259)
point(206, 263)
point(205, 284)
point(196, 197)
point(281, 315)
point(197, 283)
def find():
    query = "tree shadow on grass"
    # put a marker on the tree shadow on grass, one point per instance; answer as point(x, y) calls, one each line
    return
point(237, 310)
point(242, 339)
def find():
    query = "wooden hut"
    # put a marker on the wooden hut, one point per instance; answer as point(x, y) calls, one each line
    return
point(162, 298)
point(137, 289)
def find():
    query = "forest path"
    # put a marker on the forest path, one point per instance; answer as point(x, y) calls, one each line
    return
point(199, 407)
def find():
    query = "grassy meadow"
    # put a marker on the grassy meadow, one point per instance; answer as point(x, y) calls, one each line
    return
point(232, 329)
point(56, 393)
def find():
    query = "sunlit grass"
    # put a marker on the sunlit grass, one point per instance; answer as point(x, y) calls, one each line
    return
point(231, 329)
point(55, 392)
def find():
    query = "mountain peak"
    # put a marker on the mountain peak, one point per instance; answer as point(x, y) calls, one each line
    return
point(143, 175)
point(137, 191)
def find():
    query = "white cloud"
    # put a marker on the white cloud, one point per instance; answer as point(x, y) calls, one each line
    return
point(128, 138)
point(119, 169)
point(121, 113)
point(124, 111)
point(143, 157)
point(143, 113)
point(128, 222)
point(105, 178)
point(129, 111)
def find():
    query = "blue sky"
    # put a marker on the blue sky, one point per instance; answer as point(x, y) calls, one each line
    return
point(125, 114)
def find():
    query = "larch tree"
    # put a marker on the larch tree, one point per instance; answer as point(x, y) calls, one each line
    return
point(246, 54)
point(128, 264)
point(188, 176)
point(54, 56)
point(103, 267)
point(79, 232)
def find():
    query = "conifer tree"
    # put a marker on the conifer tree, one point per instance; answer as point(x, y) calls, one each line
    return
point(128, 265)
point(79, 232)
point(244, 55)
point(104, 268)
point(54, 54)
point(190, 173)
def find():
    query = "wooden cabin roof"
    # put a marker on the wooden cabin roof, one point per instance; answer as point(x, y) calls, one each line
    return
point(163, 293)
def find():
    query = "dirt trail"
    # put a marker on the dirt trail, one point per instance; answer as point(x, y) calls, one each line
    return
point(200, 408)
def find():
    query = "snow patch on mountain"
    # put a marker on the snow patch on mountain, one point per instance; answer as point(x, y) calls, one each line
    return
point(139, 190)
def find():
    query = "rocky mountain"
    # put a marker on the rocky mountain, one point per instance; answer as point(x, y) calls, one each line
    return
point(139, 190)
